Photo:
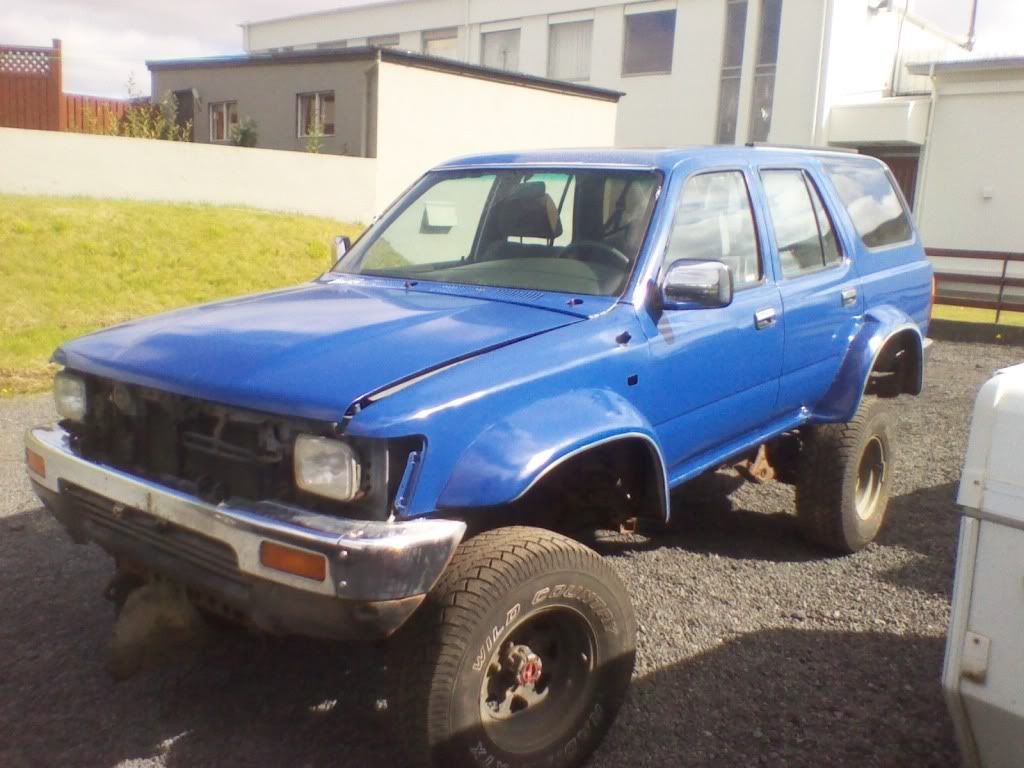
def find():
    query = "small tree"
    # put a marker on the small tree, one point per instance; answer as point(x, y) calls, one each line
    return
point(147, 120)
point(244, 133)
point(315, 137)
point(315, 131)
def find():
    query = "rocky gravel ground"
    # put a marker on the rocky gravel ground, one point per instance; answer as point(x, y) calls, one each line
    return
point(755, 650)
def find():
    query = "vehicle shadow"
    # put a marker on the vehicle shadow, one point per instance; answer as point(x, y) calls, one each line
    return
point(771, 698)
point(925, 522)
point(759, 698)
point(724, 515)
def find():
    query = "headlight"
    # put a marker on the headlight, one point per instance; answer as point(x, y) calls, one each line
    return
point(327, 467)
point(69, 396)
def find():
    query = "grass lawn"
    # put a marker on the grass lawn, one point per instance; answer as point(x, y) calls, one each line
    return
point(972, 315)
point(69, 266)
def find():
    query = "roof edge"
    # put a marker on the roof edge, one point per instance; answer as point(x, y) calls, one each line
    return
point(967, 65)
point(393, 56)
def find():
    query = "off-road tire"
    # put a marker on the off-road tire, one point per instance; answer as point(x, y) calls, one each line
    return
point(501, 586)
point(832, 461)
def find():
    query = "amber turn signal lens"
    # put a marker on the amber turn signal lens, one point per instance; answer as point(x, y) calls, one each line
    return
point(35, 462)
point(297, 562)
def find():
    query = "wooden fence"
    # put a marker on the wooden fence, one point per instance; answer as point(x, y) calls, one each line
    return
point(32, 94)
point(985, 284)
point(89, 114)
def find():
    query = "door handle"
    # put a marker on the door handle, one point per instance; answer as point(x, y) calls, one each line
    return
point(849, 297)
point(764, 318)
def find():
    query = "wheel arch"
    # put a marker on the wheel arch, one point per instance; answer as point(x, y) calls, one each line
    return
point(885, 358)
point(528, 447)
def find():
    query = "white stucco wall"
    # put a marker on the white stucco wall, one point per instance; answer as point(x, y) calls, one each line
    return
point(416, 131)
point(831, 52)
point(658, 110)
point(972, 179)
point(51, 163)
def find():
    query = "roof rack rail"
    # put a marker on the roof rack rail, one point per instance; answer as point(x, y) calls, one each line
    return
point(802, 147)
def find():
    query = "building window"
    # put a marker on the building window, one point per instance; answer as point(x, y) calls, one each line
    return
point(500, 50)
point(383, 41)
point(223, 117)
point(732, 66)
point(569, 50)
point(650, 39)
point(764, 73)
point(316, 111)
point(442, 42)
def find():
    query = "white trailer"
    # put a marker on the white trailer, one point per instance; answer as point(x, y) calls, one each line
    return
point(983, 675)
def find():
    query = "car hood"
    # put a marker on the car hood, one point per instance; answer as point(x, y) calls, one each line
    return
point(308, 351)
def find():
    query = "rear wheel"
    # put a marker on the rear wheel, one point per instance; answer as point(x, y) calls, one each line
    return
point(520, 656)
point(844, 479)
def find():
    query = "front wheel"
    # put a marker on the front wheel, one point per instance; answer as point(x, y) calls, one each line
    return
point(521, 655)
point(844, 478)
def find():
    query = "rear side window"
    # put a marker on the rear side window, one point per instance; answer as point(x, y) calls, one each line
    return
point(803, 231)
point(873, 204)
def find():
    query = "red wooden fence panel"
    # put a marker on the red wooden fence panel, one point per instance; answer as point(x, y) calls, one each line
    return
point(30, 87)
point(32, 94)
point(91, 114)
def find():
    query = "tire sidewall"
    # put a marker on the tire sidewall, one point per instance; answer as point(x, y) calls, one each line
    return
point(860, 532)
point(613, 629)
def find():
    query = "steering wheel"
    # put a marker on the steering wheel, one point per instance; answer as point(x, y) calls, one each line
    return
point(588, 249)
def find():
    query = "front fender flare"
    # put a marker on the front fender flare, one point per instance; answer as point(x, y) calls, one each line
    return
point(880, 326)
point(512, 455)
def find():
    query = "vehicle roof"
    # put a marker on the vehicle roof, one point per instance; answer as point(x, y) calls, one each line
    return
point(664, 159)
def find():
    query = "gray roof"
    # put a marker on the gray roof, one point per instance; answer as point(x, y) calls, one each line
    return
point(393, 55)
point(967, 65)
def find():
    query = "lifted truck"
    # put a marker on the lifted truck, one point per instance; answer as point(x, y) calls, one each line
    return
point(524, 345)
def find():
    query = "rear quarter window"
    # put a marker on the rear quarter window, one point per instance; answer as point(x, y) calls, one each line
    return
point(872, 202)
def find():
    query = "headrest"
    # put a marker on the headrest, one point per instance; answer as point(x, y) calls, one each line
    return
point(528, 211)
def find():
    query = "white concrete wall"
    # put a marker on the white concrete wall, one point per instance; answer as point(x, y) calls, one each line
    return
point(866, 54)
point(823, 61)
point(50, 163)
point(972, 176)
point(658, 110)
point(476, 116)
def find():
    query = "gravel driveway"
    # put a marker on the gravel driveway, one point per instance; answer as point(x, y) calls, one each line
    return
point(754, 649)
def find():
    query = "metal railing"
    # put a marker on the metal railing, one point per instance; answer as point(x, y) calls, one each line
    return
point(988, 287)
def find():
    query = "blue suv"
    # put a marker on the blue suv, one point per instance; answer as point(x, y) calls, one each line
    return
point(524, 346)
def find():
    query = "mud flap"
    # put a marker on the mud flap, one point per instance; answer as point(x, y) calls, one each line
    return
point(156, 624)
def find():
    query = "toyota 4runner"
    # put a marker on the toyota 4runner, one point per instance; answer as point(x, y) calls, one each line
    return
point(524, 345)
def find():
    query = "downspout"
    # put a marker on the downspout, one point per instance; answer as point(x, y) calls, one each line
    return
point(922, 177)
point(818, 116)
point(468, 42)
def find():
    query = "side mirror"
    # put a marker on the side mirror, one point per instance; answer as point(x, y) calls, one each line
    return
point(342, 244)
point(696, 285)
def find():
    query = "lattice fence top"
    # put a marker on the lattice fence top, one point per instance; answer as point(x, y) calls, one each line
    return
point(25, 61)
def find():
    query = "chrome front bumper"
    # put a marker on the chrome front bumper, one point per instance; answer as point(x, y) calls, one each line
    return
point(366, 561)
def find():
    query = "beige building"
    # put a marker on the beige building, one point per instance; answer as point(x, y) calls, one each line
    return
point(692, 71)
point(407, 111)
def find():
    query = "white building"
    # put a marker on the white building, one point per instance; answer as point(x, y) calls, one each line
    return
point(693, 71)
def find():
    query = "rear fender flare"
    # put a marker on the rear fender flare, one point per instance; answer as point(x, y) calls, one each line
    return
point(880, 326)
point(514, 454)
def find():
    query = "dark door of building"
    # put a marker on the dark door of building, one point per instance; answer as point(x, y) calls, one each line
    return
point(903, 163)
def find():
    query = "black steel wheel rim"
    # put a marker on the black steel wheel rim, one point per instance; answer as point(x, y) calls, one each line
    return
point(538, 681)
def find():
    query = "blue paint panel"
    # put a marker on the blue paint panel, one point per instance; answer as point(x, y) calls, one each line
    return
point(308, 351)
point(513, 381)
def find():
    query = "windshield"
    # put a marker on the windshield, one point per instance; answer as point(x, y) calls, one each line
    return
point(571, 231)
